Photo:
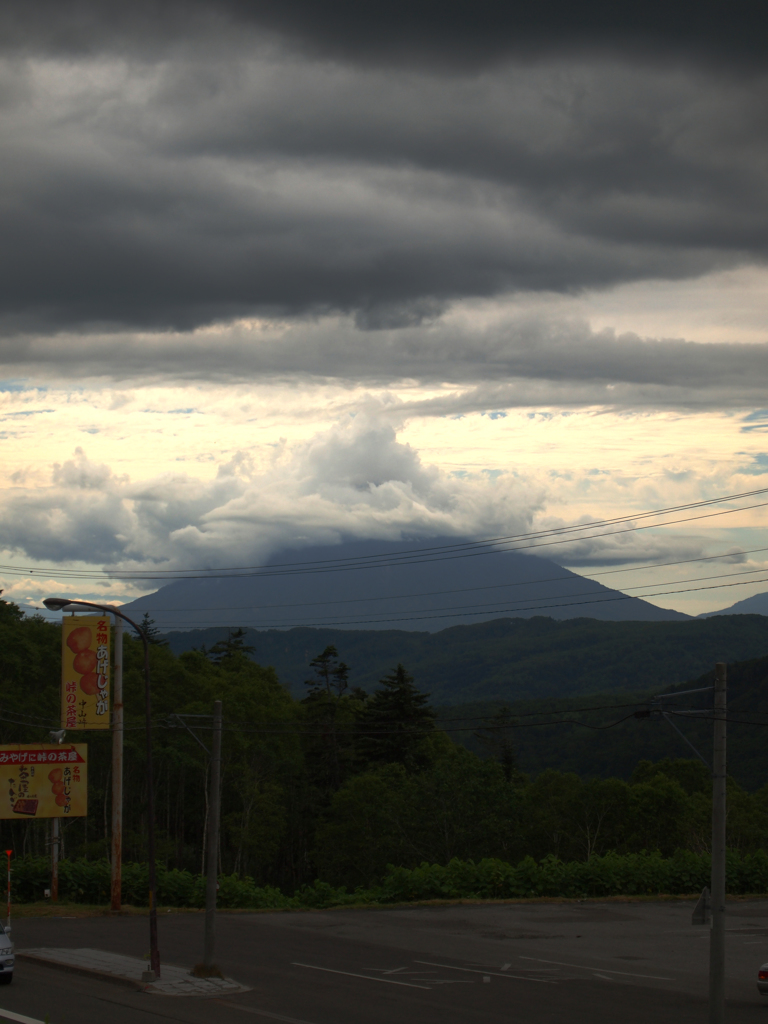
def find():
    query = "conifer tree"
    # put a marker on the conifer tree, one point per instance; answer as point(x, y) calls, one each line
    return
point(328, 754)
point(330, 674)
point(151, 632)
point(394, 721)
point(233, 647)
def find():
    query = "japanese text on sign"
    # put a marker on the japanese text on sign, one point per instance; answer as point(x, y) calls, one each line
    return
point(42, 781)
point(85, 672)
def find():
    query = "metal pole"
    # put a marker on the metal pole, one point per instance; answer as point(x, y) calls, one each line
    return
point(717, 937)
point(55, 861)
point(117, 770)
point(58, 604)
point(213, 839)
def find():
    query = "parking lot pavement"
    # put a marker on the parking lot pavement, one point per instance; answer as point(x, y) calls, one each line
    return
point(416, 965)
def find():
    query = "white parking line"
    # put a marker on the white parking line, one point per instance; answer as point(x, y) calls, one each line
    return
point(495, 974)
point(350, 974)
point(581, 967)
point(10, 1015)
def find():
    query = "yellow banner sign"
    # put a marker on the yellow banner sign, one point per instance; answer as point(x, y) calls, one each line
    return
point(42, 780)
point(85, 672)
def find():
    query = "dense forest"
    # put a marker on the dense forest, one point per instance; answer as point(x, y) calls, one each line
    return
point(603, 745)
point(512, 659)
point(340, 782)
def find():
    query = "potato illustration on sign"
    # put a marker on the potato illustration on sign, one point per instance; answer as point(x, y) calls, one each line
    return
point(35, 787)
point(85, 661)
point(56, 778)
point(85, 672)
point(80, 639)
point(89, 683)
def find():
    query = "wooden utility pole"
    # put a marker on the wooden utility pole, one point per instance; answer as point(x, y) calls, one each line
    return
point(117, 770)
point(717, 935)
point(214, 812)
point(55, 840)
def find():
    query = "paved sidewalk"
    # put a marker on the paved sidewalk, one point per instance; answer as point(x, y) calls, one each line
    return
point(175, 981)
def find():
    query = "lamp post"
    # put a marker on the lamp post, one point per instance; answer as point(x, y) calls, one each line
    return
point(57, 604)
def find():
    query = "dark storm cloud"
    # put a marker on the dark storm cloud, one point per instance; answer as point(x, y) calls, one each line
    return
point(469, 32)
point(194, 189)
point(522, 361)
point(452, 34)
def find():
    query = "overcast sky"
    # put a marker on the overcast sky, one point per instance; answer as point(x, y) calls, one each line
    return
point(283, 272)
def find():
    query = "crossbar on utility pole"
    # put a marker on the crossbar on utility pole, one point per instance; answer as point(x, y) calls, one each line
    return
point(117, 771)
point(717, 935)
point(213, 841)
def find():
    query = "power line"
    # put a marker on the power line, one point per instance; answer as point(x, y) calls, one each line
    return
point(403, 557)
point(469, 590)
point(460, 614)
point(465, 609)
point(484, 722)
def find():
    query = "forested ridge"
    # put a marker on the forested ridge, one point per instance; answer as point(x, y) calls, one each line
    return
point(342, 782)
point(513, 659)
point(617, 750)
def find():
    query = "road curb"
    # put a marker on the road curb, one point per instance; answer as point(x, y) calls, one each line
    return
point(176, 981)
point(88, 972)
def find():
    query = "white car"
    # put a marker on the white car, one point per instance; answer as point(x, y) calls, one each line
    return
point(6, 957)
point(762, 980)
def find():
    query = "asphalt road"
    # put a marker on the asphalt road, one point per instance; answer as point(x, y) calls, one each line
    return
point(527, 963)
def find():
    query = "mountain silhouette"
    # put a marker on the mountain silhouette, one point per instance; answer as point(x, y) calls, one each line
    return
point(755, 605)
point(413, 585)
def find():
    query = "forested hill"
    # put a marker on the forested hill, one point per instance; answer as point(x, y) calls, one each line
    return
point(511, 659)
point(341, 783)
point(605, 745)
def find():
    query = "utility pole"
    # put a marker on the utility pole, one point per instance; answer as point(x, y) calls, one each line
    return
point(117, 770)
point(9, 854)
point(717, 935)
point(55, 839)
point(213, 842)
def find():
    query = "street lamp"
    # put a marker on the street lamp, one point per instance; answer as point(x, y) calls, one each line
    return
point(57, 604)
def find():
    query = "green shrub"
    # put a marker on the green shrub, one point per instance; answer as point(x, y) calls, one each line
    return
point(633, 874)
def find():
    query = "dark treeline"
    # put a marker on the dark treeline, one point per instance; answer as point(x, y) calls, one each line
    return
point(341, 782)
point(621, 744)
point(513, 659)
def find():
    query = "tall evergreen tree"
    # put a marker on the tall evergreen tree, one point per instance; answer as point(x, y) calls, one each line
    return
point(329, 744)
point(331, 675)
point(151, 632)
point(394, 721)
point(234, 647)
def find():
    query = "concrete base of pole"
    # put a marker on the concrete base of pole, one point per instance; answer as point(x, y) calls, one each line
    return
point(206, 971)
